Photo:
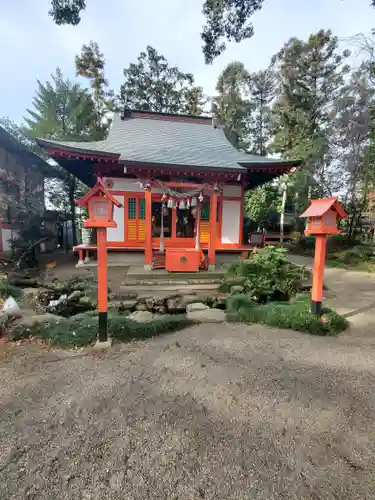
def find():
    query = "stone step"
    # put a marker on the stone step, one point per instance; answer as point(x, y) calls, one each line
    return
point(154, 288)
point(162, 276)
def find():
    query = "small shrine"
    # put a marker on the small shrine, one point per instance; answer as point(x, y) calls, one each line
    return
point(322, 216)
point(178, 181)
point(100, 203)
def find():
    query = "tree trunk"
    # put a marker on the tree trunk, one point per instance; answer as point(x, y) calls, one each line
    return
point(282, 215)
point(72, 206)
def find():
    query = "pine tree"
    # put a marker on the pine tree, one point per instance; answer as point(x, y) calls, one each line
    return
point(231, 105)
point(90, 64)
point(62, 110)
point(351, 128)
point(67, 11)
point(311, 75)
point(152, 84)
point(226, 20)
point(262, 86)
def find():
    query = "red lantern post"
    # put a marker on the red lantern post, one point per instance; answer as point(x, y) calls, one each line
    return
point(322, 218)
point(100, 203)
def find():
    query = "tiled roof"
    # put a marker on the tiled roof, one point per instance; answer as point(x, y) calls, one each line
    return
point(169, 142)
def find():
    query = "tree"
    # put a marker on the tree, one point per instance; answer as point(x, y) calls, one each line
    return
point(352, 132)
point(262, 86)
point(90, 64)
point(62, 110)
point(311, 75)
point(261, 204)
point(67, 11)
point(231, 105)
point(22, 197)
point(152, 84)
point(226, 20)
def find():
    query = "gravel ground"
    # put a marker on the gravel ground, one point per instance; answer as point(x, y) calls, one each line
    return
point(212, 412)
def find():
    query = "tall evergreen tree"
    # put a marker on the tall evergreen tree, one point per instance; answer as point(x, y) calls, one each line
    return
point(262, 86)
point(351, 131)
point(152, 84)
point(311, 75)
point(90, 64)
point(226, 20)
point(231, 105)
point(229, 20)
point(62, 110)
point(67, 11)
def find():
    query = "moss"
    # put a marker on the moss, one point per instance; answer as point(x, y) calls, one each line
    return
point(7, 290)
point(82, 329)
point(295, 315)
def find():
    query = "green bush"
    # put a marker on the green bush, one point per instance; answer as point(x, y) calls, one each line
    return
point(267, 275)
point(294, 315)
point(82, 329)
point(226, 286)
point(7, 290)
point(236, 302)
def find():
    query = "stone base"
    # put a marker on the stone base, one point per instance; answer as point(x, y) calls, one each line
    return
point(102, 346)
point(147, 267)
point(211, 267)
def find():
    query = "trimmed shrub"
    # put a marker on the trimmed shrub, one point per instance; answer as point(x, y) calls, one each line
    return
point(82, 329)
point(267, 275)
point(294, 315)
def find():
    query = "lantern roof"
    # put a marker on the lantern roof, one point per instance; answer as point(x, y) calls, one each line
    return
point(98, 189)
point(321, 206)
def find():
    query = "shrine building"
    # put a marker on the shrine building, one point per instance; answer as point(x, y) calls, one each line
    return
point(180, 182)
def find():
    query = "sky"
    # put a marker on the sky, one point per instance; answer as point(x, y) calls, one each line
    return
point(32, 46)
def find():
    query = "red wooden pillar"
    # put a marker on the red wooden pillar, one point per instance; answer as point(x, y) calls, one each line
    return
point(213, 225)
point(148, 239)
point(318, 274)
point(101, 234)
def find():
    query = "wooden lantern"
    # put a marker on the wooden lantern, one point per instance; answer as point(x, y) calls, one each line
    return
point(322, 220)
point(101, 203)
point(323, 216)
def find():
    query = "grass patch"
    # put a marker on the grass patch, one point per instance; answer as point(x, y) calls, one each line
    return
point(82, 330)
point(294, 315)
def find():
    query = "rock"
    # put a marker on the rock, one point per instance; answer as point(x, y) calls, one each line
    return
point(126, 294)
point(197, 306)
point(77, 294)
point(150, 303)
point(207, 315)
point(141, 316)
point(37, 298)
point(24, 282)
point(141, 307)
point(128, 305)
point(175, 304)
point(190, 299)
point(122, 305)
point(236, 289)
point(186, 292)
point(38, 319)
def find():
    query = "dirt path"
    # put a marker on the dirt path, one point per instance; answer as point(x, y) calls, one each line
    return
point(214, 412)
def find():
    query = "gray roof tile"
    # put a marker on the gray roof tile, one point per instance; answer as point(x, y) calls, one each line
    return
point(168, 142)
